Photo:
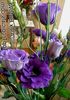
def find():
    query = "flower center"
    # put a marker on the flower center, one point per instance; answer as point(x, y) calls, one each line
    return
point(36, 71)
point(18, 54)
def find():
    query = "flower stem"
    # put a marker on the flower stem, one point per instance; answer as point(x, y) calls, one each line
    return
point(18, 14)
point(40, 95)
point(22, 93)
point(12, 91)
point(21, 1)
point(47, 28)
point(37, 14)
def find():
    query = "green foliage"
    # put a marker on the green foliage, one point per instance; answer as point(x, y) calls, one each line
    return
point(55, 69)
point(68, 46)
point(37, 95)
point(64, 92)
point(7, 94)
point(62, 67)
point(49, 90)
point(59, 68)
point(12, 78)
point(25, 36)
point(18, 14)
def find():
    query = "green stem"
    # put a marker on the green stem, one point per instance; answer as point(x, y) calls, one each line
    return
point(47, 39)
point(47, 28)
point(30, 95)
point(60, 82)
point(23, 94)
point(12, 91)
point(21, 2)
point(37, 14)
point(38, 94)
point(18, 14)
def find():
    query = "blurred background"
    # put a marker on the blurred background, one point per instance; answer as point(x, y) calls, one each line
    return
point(35, 22)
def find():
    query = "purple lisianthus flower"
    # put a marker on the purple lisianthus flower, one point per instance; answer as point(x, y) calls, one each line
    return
point(42, 10)
point(14, 59)
point(68, 53)
point(55, 48)
point(38, 32)
point(36, 74)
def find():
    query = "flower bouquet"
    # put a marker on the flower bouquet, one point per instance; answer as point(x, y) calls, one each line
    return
point(46, 71)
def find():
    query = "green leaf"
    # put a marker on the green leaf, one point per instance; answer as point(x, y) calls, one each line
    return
point(49, 91)
point(68, 45)
point(25, 36)
point(55, 71)
point(0, 65)
point(59, 68)
point(12, 77)
point(11, 80)
point(62, 67)
point(20, 97)
point(39, 95)
point(7, 94)
point(63, 92)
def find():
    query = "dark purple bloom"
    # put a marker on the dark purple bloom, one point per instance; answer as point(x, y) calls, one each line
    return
point(38, 32)
point(42, 10)
point(36, 74)
point(68, 53)
point(45, 58)
point(14, 59)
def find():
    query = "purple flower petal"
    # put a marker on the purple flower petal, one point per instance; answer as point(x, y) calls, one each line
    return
point(42, 10)
point(68, 53)
point(38, 32)
point(38, 76)
point(14, 59)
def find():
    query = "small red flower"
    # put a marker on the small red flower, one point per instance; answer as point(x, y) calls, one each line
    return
point(28, 2)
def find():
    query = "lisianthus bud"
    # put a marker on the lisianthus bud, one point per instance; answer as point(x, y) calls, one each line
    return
point(42, 10)
point(55, 48)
